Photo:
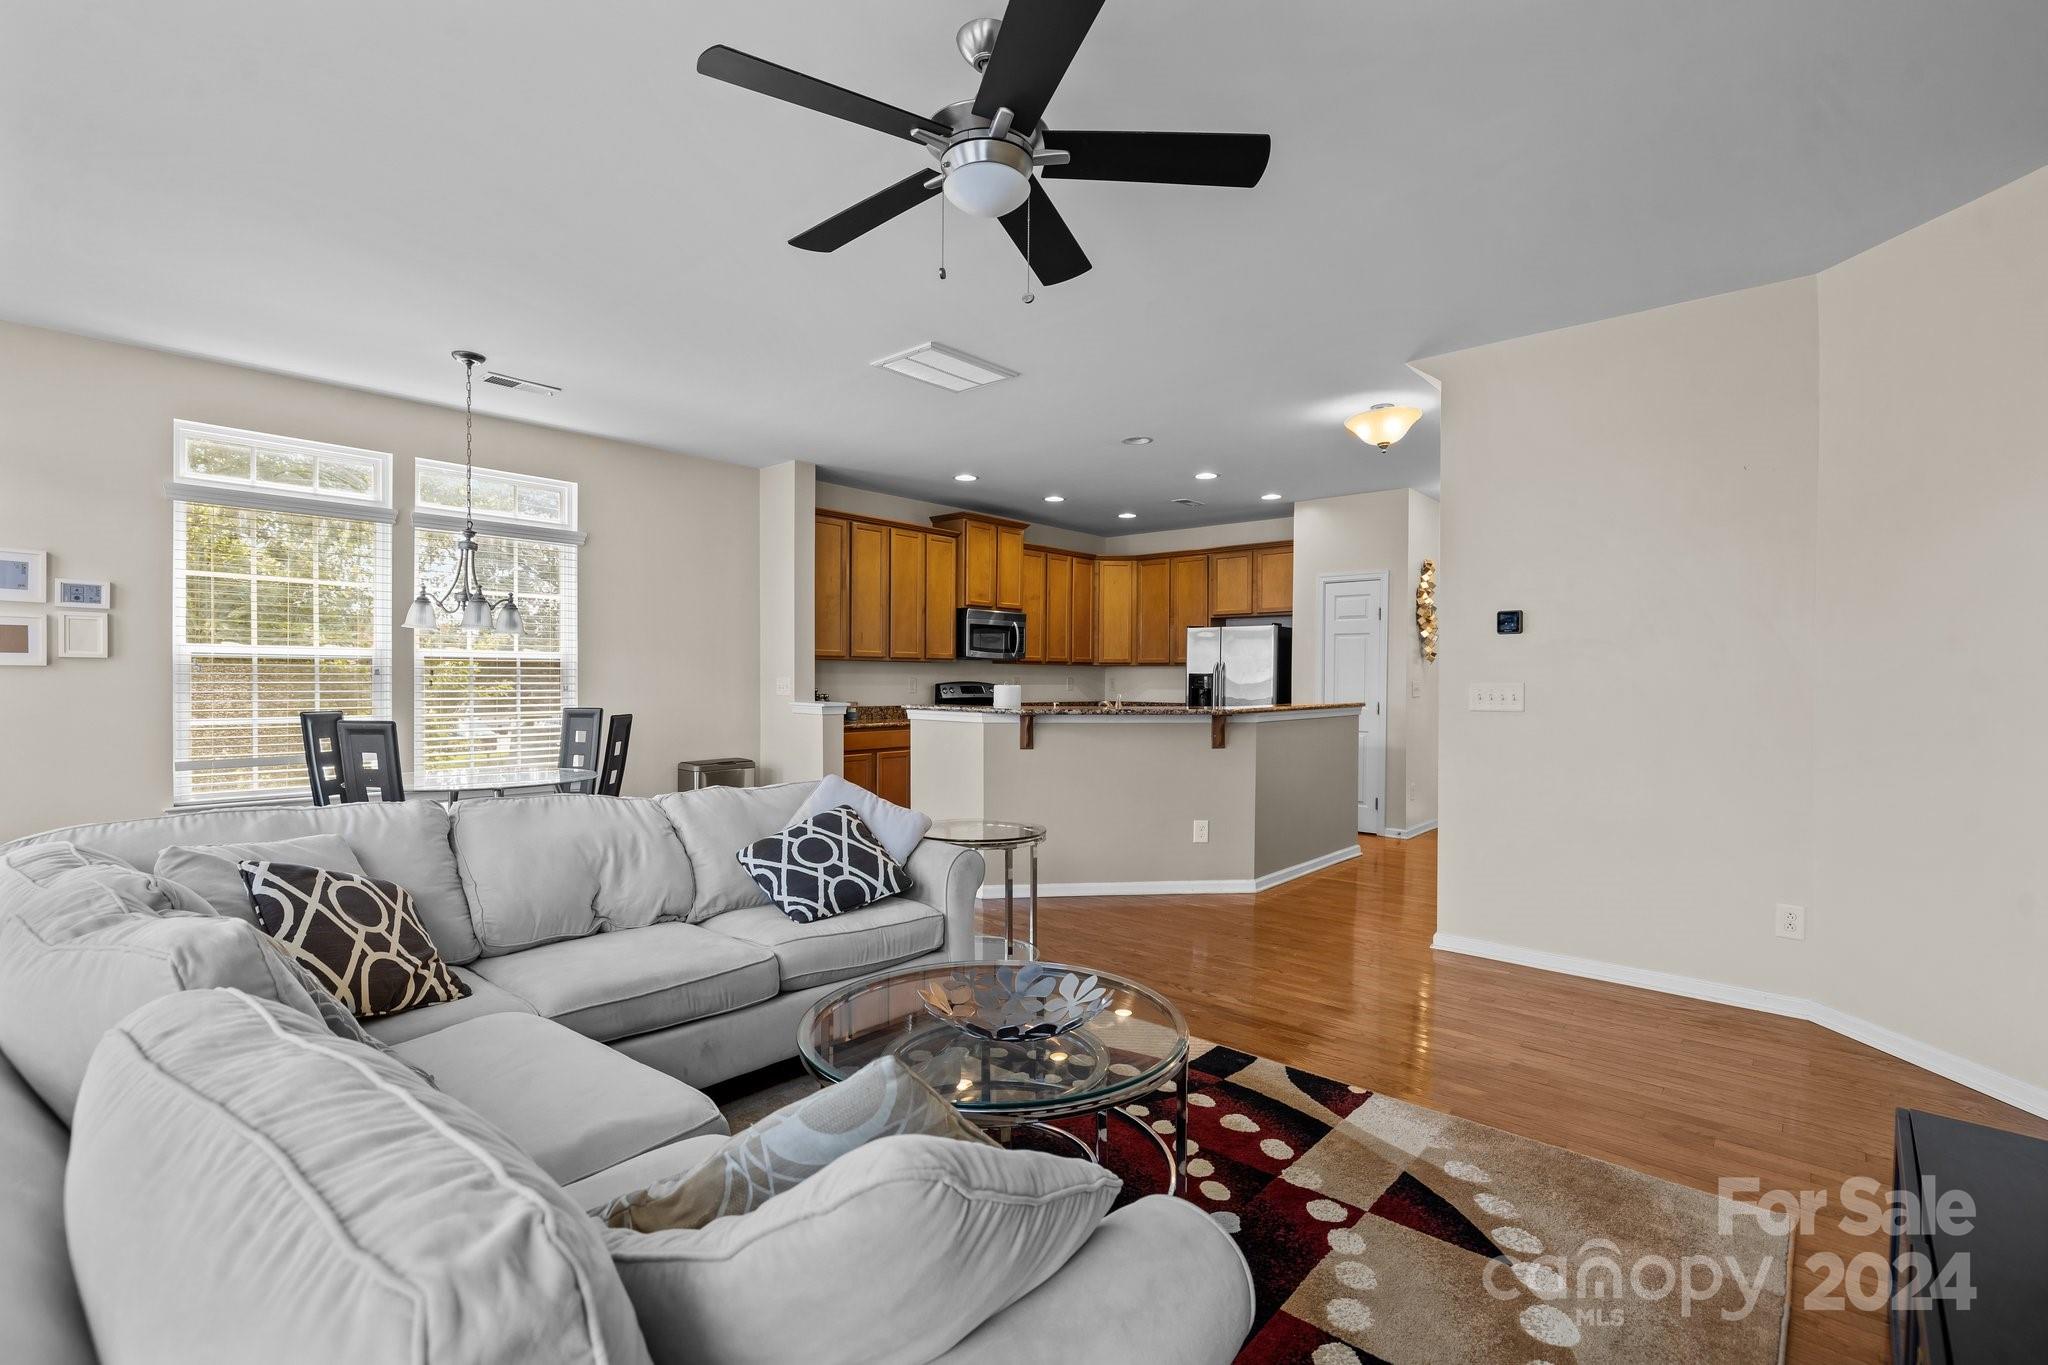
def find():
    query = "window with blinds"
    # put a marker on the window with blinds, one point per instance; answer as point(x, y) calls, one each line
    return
point(281, 603)
point(481, 699)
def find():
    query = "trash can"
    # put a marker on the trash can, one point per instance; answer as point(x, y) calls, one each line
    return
point(693, 773)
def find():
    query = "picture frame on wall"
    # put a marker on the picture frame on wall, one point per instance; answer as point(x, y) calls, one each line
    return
point(24, 642)
point(83, 594)
point(24, 575)
point(82, 635)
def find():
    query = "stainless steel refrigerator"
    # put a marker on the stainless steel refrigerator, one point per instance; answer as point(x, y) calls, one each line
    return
point(1240, 665)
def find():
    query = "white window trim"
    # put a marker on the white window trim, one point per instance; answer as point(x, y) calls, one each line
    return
point(182, 431)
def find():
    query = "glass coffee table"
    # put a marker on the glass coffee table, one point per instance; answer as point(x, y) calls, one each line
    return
point(1137, 1046)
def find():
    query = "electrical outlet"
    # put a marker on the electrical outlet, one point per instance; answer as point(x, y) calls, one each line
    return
point(784, 686)
point(1790, 921)
point(1201, 831)
point(1494, 697)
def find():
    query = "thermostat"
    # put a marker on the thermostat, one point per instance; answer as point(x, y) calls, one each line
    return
point(1507, 623)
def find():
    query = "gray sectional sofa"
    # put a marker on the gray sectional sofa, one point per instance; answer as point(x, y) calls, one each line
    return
point(617, 958)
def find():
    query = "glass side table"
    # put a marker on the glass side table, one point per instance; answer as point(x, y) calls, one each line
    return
point(1009, 836)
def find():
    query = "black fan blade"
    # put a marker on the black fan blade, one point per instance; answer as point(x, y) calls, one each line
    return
point(1034, 47)
point(869, 214)
point(1045, 239)
point(1237, 159)
point(779, 82)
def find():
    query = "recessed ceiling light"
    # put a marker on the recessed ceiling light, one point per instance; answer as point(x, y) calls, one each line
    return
point(1137, 440)
point(1269, 497)
point(963, 478)
point(1206, 474)
point(1127, 516)
point(1054, 497)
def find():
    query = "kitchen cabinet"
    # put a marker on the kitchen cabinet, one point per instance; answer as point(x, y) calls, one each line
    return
point(906, 594)
point(1010, 568)
point(1230, 583)
point(1116, 611)
point(1273, 576)
point(867, 591)
point(1032, 596)
point(1188, 601)
point(941, 576)
point(1083, 600)
point(1155, 612)
point(977, 564)
point(1059, 608)
point(879, 760)
point(832, 602)
point(991, 560)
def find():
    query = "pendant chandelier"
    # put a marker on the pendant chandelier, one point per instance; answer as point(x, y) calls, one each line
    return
point(464, 597)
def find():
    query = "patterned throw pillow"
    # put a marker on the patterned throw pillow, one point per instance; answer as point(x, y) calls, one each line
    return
point(883, 1099)
point(823, 865)
point(360, 937)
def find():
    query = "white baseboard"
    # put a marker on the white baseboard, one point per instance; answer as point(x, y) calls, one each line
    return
point(1237, 886)
point(2018, 1093)
point(1409, 832)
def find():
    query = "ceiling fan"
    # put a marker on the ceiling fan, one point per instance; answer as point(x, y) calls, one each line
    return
point(989, 147)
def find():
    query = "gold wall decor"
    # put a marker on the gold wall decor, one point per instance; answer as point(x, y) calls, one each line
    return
point(1425, 609)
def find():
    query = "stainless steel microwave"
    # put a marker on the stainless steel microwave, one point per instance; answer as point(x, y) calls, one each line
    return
point(985, 634)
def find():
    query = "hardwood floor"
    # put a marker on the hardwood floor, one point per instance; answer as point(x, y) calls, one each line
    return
point(1334, 972)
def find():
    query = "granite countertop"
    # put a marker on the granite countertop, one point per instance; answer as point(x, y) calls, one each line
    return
point(875, 717)
point(1150, 708)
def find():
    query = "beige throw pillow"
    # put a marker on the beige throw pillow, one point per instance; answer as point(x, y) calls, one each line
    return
point(883, 1099)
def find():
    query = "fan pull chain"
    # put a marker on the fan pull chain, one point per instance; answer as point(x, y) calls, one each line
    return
point(1027, 251)
point(942, 236)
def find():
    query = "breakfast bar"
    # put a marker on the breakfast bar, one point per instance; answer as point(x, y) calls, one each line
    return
point(1149, 799)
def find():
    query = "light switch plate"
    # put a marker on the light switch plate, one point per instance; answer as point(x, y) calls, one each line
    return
point(1494, 697)
point(784, 686)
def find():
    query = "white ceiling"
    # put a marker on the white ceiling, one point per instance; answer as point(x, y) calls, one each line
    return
point(347, 191)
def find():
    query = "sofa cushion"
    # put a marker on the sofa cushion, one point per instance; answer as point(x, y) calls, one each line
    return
point(306, 1197)
point(40, 1317)
point(542, 868)
point(214, 871)
point(575, 1106)
point(397, 841)
point(613, 985)
point(46, 864)
point(848, 945)
point(882, 1099)
point(483, 998)
point(361, 936)
point(715, 824)
point(81, 952)
point(663, 1163)
point(899, 828)
point(964, 1229)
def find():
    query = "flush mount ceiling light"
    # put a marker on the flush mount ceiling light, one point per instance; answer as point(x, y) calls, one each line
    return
point(1270, 497)
point(1206, 475)
point(464, 595)
point(943, 367)
point(1137, 440)
point(965, 478)
point(1127, 516)
point(1054, 497)
point(1383, 424)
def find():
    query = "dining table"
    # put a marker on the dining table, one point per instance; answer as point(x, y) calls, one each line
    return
point(449, 784)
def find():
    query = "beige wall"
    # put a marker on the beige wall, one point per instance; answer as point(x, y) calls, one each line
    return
point(791, 742)
point(1780, 553)
point(85, 449)
point(1930, 905)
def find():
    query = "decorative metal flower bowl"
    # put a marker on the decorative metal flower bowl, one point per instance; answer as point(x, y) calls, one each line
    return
point(1029, 1000)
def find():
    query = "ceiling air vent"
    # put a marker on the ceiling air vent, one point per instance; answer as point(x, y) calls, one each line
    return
point(949, 369)
point(506, 381)
point(1189, 502)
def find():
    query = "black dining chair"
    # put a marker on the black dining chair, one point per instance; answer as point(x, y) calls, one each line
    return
point(611, 774)
point(322, 737)
point(369, 760)
point(580, 733)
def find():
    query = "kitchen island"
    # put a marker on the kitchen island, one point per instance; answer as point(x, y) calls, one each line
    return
point(1151, 800)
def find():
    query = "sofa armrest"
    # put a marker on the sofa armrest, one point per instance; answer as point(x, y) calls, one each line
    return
point(947, 877)
point(1158, 1280)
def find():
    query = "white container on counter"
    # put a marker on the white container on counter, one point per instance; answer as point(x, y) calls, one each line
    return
point(1009, 697)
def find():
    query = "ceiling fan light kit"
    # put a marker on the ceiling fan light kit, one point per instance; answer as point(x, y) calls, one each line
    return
point(993, 150)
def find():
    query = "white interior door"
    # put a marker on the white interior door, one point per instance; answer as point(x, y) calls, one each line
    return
point(1355, 669)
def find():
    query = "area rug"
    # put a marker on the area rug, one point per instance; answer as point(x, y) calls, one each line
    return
point(1383, 1233)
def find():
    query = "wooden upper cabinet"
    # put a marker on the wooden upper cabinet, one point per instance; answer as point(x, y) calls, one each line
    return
point(1230, 583)
point(1083, 600)
point(906, 594)
point(977, 564)
point(1273, 575)
point(1155, 612)
point(1190, 601)
point(1116, 611)
point(941, 576)
point(867, 591)
point(1010, 567)
point(831, 586)
point(1059, 609)
point(1032, 592)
